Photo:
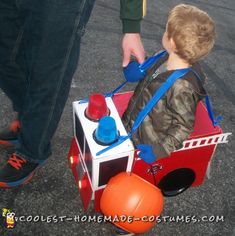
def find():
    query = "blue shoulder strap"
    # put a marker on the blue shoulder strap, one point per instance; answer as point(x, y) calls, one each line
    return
point(149, 106)
point(151, 60)
point(215, 120)
point(157, 96)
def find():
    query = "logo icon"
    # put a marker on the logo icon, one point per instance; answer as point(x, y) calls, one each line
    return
point(9, 218)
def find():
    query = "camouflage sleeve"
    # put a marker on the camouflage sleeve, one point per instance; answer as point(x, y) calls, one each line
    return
point(182, 101)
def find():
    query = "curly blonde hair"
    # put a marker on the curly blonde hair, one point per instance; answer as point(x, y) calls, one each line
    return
point(192, 30)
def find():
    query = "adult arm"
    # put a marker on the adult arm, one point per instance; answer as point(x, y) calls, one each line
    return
point(131, 14)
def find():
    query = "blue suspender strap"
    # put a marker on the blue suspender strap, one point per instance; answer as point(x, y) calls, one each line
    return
point(215, 120)
point(151, 60)
point(110, 94)
point(157, 96)
point(152, 102)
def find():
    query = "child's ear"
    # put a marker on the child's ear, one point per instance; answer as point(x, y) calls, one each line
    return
point(172, 43)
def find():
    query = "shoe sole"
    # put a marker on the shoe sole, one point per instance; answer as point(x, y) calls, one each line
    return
point(21, 181)
point(128, 234)
point(9, 143)
point(120, 233)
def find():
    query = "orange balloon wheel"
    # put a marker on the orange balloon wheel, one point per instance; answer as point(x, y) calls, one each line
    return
point(132, 202)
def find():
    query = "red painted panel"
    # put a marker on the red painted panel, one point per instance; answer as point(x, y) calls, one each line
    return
point(196, 159)
point(74, 152)
point(85, 191)
point(83, 182)
point(121, 101)
point(98, 195)
point(203, 126)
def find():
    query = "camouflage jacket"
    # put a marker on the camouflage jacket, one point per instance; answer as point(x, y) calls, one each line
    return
point(171, 121)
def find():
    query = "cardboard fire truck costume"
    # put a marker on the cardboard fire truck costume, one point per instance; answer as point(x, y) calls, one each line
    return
point(92, 167)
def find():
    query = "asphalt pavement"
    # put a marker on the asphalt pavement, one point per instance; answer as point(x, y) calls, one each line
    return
point(52, 192)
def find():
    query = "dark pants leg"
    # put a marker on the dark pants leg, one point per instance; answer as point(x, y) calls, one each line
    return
point(48, 54)
point(12, 78)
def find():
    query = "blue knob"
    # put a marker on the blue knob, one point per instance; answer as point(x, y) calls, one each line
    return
point(133, 72)
point(106, 132)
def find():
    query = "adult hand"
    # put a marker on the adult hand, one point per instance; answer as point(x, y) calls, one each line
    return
point(146, 153)
point(132, 45)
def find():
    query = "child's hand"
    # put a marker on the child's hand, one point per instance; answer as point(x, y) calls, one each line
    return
point(146, 153)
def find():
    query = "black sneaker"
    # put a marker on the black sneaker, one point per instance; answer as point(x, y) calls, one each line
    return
point(17, 171)
point(122, 232)
point(8, 136)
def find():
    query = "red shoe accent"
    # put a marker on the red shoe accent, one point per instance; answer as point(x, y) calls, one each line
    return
point(18, 171)
point(16, 161)
point(15, 125)
point(4, 185)
point(5, 143)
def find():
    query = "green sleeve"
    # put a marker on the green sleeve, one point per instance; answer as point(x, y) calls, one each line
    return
point(131, 14)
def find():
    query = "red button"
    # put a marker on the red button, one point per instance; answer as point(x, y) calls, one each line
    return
point(97, 107)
